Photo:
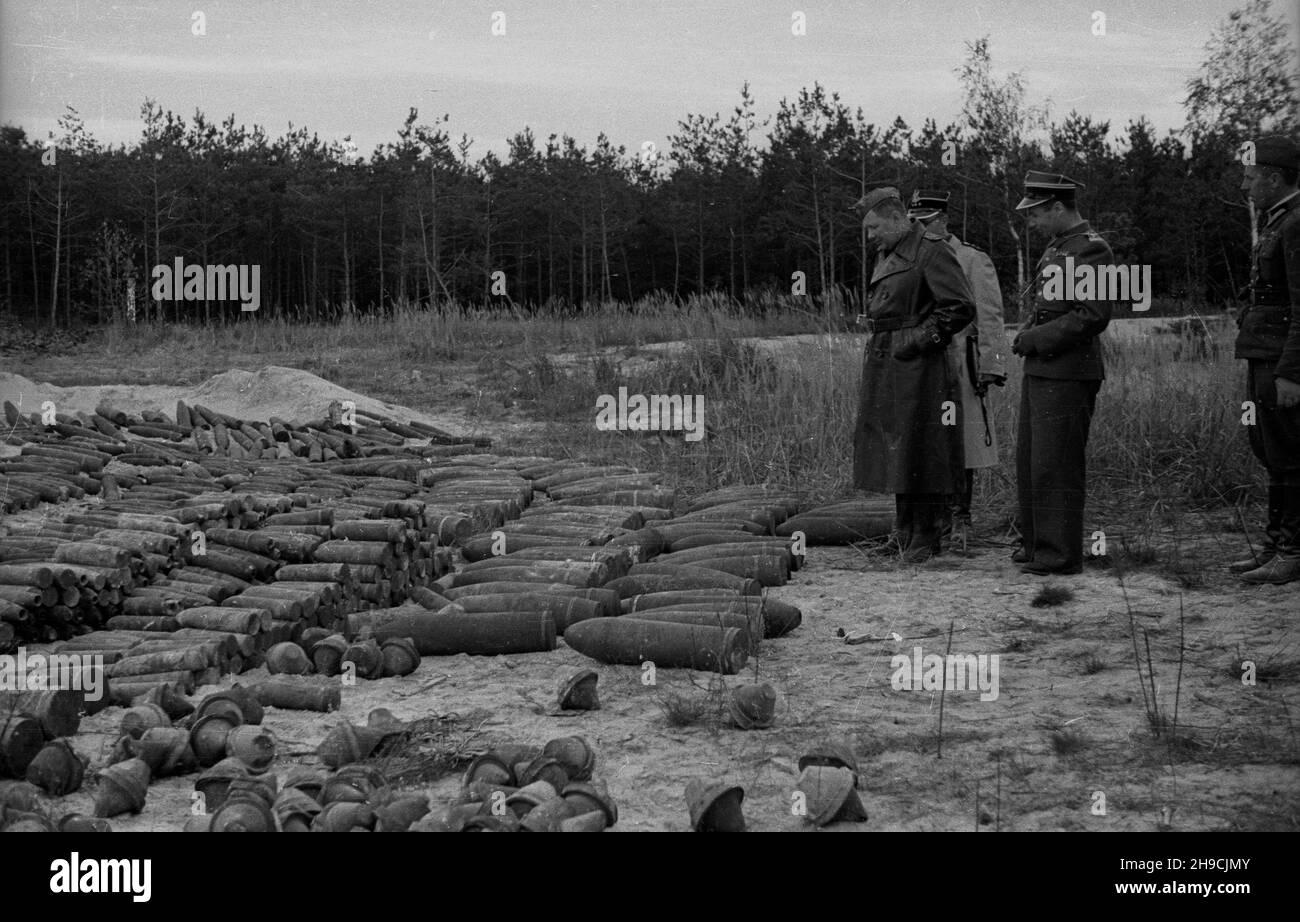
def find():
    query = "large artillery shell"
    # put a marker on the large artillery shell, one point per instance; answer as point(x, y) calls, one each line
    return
point(142, 717)
point(314, 572)
point(564, 610)
point(122, 788)
point(476, 633)
point(753, 707)
point(327, 655)
point(287, 658)
point(239, 697)
point(767, 571)
point(750, 626)
point(630, 641)
point(214, 784)
point(686, 578)
point(300, 696)
point(587, 796)
point(779, 618)
point(21, 738)
point(841, 525)
point(366, 658)
point(400, 657)
point(374, 553)
point(577, 692)
point(166, 750)
point(572, 574)
point(57, 769)
point(427, 598)
point(208, 737)
point(830, 795)
point(706, 546)
point(606, 599)
point(186, 659)
point(231, 620)
point(399, 814)
point(58, 711)
point(347, 743)
point(254, 746)
point(574, 753)
point(715, 807)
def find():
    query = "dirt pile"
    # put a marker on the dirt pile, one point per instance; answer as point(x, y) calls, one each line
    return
point(274, 390)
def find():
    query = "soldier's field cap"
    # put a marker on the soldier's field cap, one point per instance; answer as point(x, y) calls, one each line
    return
point(1041, 188)
point(926, 204)
point(1277, 150)
point(877, 197)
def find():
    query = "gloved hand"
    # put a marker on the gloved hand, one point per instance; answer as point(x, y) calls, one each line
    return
point(1022, 346)
point(985, 380)
point(915, 342)
point(1288, 393)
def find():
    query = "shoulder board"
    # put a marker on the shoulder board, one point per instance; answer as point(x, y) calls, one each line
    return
point(971, 246)
point(1089, 236)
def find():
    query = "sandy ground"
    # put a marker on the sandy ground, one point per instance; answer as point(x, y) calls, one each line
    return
point(1067, 729)
point(1233, 764)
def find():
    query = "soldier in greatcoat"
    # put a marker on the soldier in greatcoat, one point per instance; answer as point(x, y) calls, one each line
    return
point(1269, 341)
point(908, 439)
point(977, 351)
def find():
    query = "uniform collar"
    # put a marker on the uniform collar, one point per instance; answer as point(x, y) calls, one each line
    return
point(1081, 228)
point(903, 256)
point(1281, 208)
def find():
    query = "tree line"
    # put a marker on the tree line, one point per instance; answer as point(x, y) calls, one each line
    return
point(736, 208)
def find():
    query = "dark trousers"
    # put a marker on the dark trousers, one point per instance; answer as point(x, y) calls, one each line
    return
point(1051, 467)
point(1275, 441)
point(918, 518)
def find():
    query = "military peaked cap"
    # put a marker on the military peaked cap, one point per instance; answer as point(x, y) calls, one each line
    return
point(927, 204)
point(1041, 188)
point(1277, 150)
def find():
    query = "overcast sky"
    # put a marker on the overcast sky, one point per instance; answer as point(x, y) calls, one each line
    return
point(630, 69)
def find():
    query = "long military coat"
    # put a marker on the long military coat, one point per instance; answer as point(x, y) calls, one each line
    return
point(909, 386)
point(989, 330)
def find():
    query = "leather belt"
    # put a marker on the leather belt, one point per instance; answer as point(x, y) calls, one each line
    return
point(889, 324)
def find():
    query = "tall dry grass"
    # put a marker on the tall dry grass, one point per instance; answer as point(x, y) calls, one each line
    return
point(1166, 438)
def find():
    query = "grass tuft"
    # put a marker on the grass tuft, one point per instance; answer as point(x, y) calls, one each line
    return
point(1051, 595)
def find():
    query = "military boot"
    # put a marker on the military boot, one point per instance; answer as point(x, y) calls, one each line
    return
point(1283, 568)
point(1277, 496)
point(1256, 560)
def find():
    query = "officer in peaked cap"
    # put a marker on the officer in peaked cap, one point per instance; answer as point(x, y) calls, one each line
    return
point(905, 441)
point(1269, 341)
point(977, 351)
point(1063, 371)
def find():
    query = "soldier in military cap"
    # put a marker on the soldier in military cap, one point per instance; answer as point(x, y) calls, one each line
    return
point(1062, 375)
point(916, 300)
point(977, 351)
point(1269, 341)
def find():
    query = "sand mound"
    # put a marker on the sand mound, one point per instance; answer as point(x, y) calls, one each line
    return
point(288, 393)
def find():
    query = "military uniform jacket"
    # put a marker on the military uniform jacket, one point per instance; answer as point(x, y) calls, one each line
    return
point(989, 330)
point(917, 299)
point(1060, 337)
point(1270, 326)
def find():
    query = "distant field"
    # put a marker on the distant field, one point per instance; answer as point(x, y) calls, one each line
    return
point(780, 389)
